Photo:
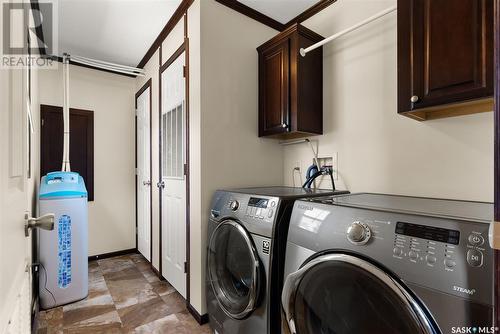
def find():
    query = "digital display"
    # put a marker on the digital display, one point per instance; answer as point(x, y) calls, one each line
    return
point(428, 232)
point(258, 202)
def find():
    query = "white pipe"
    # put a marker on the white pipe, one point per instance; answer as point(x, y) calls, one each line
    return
point(303, 51)
point(65, 163)
point(105, 67)
point(123, 67)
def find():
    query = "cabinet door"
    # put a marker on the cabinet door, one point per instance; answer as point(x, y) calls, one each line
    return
point(445, 52)
point(274, 89)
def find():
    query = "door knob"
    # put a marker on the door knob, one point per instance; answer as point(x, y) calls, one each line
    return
point(45, 222)
point(414, 99)
point(146, 183)
point(161, 184)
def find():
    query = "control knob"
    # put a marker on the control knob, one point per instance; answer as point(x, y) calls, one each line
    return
point(234, 205)
point(358, 233)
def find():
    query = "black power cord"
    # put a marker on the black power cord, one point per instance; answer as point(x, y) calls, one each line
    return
point(325, 170)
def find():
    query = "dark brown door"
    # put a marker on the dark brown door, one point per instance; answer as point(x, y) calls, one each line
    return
point(274, 89)
point(445, 52)
point(81, 146)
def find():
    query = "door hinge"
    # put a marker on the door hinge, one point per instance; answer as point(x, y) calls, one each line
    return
point(136, 171)
point(185, 169)
point(185, 267)
point(184, 70)
point(43, 121)
point(494, 235)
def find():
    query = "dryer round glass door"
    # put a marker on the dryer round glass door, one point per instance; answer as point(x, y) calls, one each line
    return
point(234, 269)
point(344, 294)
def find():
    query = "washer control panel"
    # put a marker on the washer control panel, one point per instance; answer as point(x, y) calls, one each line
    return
point(437, 246)
point(256, 213)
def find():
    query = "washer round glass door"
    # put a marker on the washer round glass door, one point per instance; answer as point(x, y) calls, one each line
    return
point(341, 294)
point(234, 269)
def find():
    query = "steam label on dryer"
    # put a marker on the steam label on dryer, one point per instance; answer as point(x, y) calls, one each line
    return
point(266, 246)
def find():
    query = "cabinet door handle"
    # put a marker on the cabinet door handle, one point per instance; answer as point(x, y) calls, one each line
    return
point(414, 99)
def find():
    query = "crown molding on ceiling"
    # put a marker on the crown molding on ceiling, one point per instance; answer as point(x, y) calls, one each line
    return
point(178, 14)
point(269, 21)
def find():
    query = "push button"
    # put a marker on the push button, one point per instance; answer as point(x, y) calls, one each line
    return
point(398, 251)
point(413, 255)
point(431, 259)
point(449, 263)
point(476, 239)
point(475, 257)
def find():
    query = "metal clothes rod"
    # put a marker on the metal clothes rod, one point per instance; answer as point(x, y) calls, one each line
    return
point(125, 67)
point(303, 51)
point(106, 67)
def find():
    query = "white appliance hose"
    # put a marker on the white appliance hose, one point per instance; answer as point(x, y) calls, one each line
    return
point(65, 163)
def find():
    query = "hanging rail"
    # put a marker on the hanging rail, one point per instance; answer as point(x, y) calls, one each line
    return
point(303, 51)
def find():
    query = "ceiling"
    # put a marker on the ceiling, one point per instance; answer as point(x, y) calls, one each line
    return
point(118, 31)
point(280, 10)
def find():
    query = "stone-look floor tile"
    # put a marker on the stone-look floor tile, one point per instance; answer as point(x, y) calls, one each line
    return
point(165, 325)
point(175, 303)
point(87, 309)
point(105, 323)
point(144, 267)
point(115, 264)
point(51, 321)
point(93, 266)
point(162, 288)
point(125, 274)
point(143, 313)
point(137, 258)
point(131, 291)
point(150, 276)
point(125, 296)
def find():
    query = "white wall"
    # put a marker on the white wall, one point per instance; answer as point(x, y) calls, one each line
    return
point(378, 150)
point(111, 97)
point(232, 154)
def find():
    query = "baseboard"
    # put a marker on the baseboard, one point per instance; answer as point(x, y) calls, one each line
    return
point(201, 319)
point(112, 254)
point(157, 273)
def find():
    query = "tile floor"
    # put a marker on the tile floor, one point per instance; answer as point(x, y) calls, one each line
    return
point(125, 296)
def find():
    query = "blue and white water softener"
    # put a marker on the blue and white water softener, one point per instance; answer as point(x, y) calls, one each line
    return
point(63, 251)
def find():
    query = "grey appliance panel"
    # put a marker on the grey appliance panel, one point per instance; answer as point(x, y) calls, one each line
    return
point(255, 220)
point(447, 310)
point(285, 192)
point(445, 208)
point(258, 320)
point(320, 227)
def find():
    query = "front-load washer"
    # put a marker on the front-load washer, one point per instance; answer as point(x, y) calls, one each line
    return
point(245, 257)
point(371, 263)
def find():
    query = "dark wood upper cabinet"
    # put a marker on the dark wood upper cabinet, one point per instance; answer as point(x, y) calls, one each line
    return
point(290, 86)
point(445, 57)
